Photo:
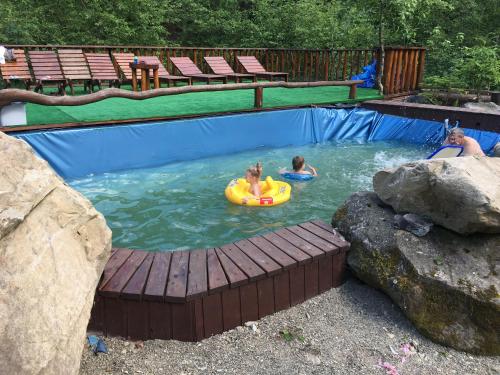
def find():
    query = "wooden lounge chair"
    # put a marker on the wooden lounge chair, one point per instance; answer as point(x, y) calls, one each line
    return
point(74, 67)
point(17, 70)
point(164, 75)
point(219, 65)
point(102, 69)
point(253, 66)
point(122, 61)
point(187, 68)
point(46, 69)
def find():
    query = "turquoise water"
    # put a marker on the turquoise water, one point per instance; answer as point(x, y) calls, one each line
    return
point(182, 205)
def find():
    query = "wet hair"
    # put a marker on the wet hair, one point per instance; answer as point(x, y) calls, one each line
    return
point(457, 131)
point(256, 170)
point(297, 163)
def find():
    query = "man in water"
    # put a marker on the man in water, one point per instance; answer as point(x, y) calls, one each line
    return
point(470, 145)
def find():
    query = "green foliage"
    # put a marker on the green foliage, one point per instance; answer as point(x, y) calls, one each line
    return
point(450, 28)
point(480, 68)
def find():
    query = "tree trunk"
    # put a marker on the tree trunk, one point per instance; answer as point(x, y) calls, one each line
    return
point(381, 47)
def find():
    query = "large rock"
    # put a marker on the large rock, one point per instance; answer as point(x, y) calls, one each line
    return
point(446, 284)
point(461, 194)
point(53, 248)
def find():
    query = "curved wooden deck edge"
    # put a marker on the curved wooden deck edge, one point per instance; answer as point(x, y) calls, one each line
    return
point(193, 294)
point(8, 96)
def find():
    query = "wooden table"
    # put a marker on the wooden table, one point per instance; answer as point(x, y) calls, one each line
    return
point(144, 67)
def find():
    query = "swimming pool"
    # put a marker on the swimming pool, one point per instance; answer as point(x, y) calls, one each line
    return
point(161, 185)
point(182, 205)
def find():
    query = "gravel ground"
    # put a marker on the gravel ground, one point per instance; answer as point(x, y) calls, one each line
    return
point(347, 330)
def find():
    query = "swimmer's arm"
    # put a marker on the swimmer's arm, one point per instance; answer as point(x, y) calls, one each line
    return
point(313, 170)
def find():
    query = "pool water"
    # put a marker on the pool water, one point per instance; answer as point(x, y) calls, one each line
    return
point(182, 205)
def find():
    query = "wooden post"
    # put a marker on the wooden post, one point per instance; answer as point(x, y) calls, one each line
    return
point(352, 91)
point(156, 78)
point(344, 68)
point(421, 65)
point(415, 70)
point(259, 97)
point(397, 75)
point(134, 79)
point(144, 79)
point(326, 60)
point(389, 55)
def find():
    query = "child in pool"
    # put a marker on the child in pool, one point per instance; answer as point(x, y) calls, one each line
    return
point(299, 166)
point(252, 176)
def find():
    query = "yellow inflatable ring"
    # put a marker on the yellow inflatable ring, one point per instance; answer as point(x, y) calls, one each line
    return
point(273, 192)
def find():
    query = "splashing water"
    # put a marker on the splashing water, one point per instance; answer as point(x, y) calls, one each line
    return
point(182, 205)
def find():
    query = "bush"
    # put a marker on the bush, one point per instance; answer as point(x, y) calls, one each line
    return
point(479, 68)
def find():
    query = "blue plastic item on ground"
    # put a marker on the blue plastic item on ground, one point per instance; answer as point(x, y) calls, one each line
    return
point(297, 176)
point(369, 75)
point(97, 344)
point(446, 151)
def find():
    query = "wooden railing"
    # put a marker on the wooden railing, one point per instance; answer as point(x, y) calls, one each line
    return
point(403, 70)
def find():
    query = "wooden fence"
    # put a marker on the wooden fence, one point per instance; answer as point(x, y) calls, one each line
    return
point(403, 70)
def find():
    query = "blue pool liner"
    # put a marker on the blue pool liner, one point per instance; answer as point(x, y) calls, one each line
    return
point(76, 153)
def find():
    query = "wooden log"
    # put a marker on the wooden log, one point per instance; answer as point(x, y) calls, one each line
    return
point(13, 95)
point(259, 97)
point(421, 66)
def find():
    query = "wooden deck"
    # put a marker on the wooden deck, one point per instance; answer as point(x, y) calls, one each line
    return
point(193, 294)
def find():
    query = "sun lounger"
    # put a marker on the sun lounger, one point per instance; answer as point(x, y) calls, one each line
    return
point(253, 66)
point(219, 65)
point(122, 62)
point(17, 70)
point(163, 74)
point(187, 68)
point(74, 67)
point(46, 69)
point(102, 69)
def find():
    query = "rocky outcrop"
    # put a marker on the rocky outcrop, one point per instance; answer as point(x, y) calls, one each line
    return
point(461, 194)
point(53, 248)
point(446, 284)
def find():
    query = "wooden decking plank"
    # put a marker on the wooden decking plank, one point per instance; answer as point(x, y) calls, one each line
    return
point(259, 257)
point(315, 240)
point(118, 257)
point(288, 248)
point(158, 275)
point(197, 274)
point(216, 277)
point(322, 233)
point(272, 251)
point(299, 242)
point(340, 241)
point(244, 263)
point(136, 284)
point(114, 287)
point(235, 276)
point(177, 278)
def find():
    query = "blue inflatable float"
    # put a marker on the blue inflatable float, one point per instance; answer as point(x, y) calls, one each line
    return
point(297, 176)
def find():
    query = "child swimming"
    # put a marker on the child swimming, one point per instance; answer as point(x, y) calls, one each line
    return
point(299, 167)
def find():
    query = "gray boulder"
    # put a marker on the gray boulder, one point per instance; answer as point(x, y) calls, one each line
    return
point(446, 284)
point(461, 194)
point(53, 248)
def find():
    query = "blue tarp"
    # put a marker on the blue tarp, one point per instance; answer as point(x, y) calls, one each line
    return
point(369, 75)
point(79, 152)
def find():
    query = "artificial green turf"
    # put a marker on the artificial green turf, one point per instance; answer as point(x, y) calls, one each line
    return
point(191, 104)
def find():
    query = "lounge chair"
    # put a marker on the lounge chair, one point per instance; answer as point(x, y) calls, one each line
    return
point(253, 66)
point(17, 70)
point(74, 67)
point(102, 69)
point(46, 69)
point(187, 68)
point(164, 75)
point(219, 65)
point(122, 63)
